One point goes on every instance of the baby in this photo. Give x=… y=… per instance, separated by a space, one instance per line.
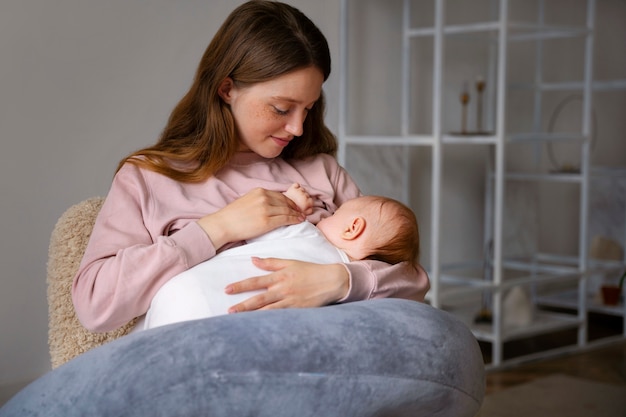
x=367 y=227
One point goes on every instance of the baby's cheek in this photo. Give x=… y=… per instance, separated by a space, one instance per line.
x=318 y=216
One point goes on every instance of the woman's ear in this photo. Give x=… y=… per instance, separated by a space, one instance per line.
x=225 y=89
x=355 y=228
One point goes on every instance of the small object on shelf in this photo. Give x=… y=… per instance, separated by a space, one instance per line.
x=611 y=293
x=464 y=102
x=605 y=248
x=483 y=317
x=480 y=87
x=465 y=99
x=517 y=308
x=568 y=167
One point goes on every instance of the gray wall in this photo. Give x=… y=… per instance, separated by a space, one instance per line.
x=539 y=216
x=84 y=82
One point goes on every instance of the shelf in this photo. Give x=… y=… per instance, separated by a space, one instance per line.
x=536 y=32
x=575 y=177
x=454 y=29
x=550 y=266
x=569 y=299
x=461 y=288
x=462 y=139
x=608 y=172
x=518 y=31
x=597 y=86
x=545 y=137
x=415 y=140
x=558 y=266
x=543 y=322
x=553 y=177
x=469 y=139
x=419 y=140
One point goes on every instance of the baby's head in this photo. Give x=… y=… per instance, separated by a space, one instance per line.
x=373 y=227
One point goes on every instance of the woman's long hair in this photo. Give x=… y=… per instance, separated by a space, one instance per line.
x=259 y=41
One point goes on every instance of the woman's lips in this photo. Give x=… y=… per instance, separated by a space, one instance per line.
x=280 y=141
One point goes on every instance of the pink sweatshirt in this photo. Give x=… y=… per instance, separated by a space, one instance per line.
x=146 y=233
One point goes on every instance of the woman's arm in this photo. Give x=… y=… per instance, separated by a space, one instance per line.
x=125 y=262
x=375 y=279
x=132 y=252
x=303 y=284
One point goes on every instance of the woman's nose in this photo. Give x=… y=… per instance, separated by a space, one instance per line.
x=295 y=125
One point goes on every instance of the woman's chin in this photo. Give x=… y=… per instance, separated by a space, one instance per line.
x=270 y=153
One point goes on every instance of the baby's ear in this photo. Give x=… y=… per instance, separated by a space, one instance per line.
x=355 y=228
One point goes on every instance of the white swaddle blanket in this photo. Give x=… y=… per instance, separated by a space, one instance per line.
x=199 y=291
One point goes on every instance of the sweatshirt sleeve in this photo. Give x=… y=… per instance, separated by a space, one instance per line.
x=375 y=279
x=125 y=263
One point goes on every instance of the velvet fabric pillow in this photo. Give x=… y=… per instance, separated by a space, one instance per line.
x=384 y=357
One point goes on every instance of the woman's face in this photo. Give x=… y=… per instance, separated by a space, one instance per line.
x=270 y=114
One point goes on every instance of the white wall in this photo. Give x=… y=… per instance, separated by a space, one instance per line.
x=83 y=83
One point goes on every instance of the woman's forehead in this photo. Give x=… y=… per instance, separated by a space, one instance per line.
x=303 y=86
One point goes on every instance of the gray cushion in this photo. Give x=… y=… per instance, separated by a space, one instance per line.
x=370 y=358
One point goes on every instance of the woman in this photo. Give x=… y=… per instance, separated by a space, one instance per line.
x=250 y=126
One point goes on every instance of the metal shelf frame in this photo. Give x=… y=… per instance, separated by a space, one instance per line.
x=500 y=32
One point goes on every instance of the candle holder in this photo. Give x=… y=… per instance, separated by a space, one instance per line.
x=480 y=88
x=464 y=103
x=464 y=98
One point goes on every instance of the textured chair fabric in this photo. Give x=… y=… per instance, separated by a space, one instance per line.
x=66 y=336
x=371 y=358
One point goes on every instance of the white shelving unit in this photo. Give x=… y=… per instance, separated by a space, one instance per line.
x=446 y=282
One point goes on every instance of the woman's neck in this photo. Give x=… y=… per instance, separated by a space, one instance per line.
x=247 y=158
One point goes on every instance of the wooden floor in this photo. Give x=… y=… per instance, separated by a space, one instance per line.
x=605 y=363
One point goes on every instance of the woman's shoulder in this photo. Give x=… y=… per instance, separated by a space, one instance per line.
x=132 y=172
x=137 y=167
x=144 y=177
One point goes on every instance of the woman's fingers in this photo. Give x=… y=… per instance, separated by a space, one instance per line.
x=270 y=264
x=257 y=302
x=251 y=215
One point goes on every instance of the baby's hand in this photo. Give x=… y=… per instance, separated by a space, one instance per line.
x=298 y=195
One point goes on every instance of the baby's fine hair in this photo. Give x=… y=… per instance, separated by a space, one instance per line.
x=400 y=234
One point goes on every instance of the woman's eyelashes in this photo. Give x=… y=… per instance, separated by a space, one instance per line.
x=282 y=112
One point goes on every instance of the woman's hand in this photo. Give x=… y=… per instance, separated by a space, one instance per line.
x=251 y=215
x=292 y=284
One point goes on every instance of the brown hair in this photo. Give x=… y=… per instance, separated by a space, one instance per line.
x=399 y=237
x=260 y=40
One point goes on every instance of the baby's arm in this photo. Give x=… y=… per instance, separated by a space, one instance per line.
x=298 y=195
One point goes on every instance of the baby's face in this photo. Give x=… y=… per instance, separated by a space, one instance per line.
x=334 y=225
